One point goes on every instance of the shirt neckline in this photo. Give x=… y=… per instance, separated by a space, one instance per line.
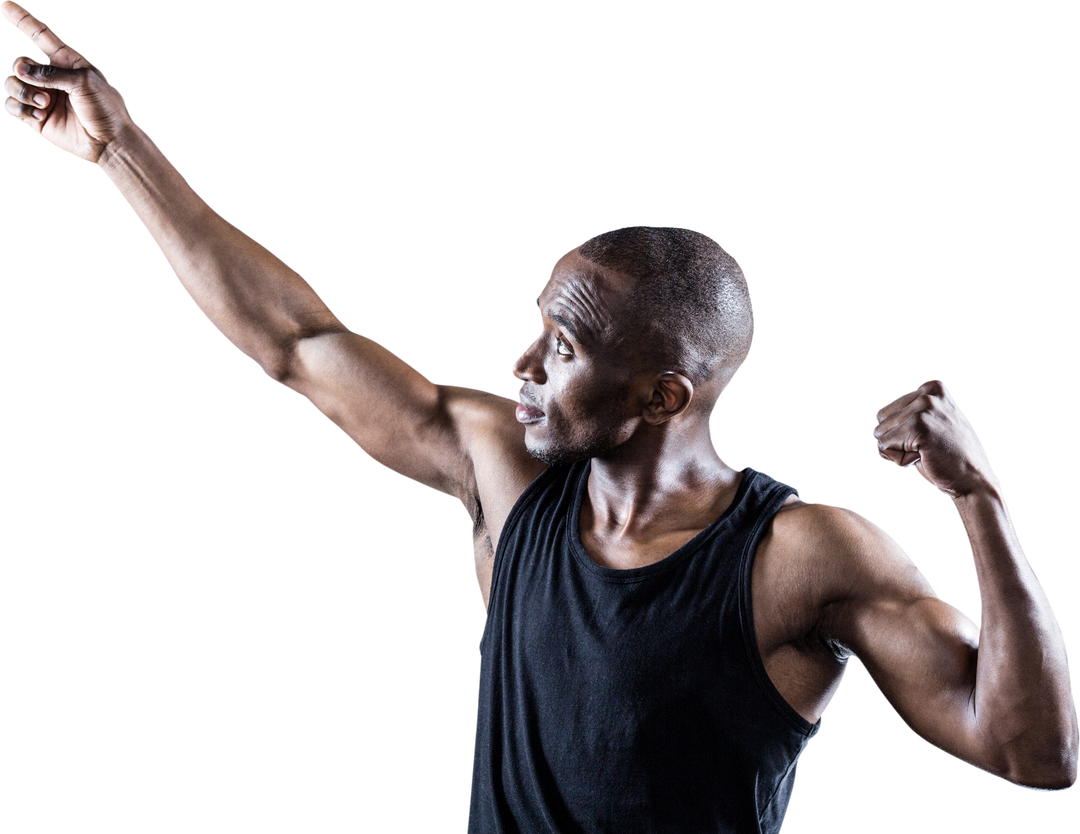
x=663 y=565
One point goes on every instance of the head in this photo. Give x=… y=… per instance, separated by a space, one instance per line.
x=642 y=326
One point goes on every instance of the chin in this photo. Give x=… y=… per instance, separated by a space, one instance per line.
x=563 y=454
x=553 y=454
x=554 y=457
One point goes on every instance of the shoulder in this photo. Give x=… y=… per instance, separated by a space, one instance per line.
x=498 y=466
x=833 y=540
x=823 y=564
x=815 y=536
x=492 y=439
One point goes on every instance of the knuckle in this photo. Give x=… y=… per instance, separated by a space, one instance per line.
x=23 y=111
x=934 y=388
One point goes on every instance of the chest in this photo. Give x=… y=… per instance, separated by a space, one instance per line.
x=783 y=611
x=626 y=553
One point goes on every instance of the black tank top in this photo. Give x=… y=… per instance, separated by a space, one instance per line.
x=628 y=701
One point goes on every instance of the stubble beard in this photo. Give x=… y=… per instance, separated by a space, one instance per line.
x=562 y=452
x=555 y=455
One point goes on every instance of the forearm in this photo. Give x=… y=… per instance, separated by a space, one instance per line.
x=260 y=304
x=1022 y=698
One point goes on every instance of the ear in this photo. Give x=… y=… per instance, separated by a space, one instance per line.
x=671 y=396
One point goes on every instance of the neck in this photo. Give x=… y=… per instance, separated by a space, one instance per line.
x=670 y=477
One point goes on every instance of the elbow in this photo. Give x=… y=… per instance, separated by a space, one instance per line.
x=1064 y=775
x=279 y=363
x=278 y=368
x=289 y=358
x=1035 y=742
x=1053 y=770
x=1047 y=780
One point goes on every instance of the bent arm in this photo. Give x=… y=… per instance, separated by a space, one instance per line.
x=1006 y=702
x=996 y=696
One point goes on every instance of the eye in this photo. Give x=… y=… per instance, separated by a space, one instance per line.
x=561 y=347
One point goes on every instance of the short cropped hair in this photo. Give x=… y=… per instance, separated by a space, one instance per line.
x=690 y=308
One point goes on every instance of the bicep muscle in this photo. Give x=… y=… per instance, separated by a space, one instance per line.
x=392 y=411
x=921 y=652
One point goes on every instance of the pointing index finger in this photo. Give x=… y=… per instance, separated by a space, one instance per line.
x=43 y=37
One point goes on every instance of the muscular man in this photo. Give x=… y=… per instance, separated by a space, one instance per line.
x=664 y=632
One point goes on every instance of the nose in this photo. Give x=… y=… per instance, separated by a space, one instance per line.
x=530 y=366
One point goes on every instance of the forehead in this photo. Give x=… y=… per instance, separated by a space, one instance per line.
x=586 y=299
x=587 y=294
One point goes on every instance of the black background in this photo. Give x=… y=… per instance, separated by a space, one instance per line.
x=225 y=611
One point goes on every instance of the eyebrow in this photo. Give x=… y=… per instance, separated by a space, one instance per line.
x=555 y=317
x=578 y=336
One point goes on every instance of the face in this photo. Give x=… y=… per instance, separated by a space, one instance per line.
x=577 y=397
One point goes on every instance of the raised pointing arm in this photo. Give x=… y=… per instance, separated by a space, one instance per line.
x=227 y=273
x=451 y=439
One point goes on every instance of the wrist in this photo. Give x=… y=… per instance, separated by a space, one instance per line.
x=123 y=144
x=983 y=488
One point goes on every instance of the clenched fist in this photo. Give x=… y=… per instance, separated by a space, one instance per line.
x=927 y=428
x=67 y=100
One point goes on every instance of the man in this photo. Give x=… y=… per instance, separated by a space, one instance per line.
x=624 y=376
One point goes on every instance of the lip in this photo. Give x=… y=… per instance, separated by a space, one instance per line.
x=527 y=411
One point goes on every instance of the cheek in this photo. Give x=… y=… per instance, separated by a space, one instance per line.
x=562 y=404
x=583 y=401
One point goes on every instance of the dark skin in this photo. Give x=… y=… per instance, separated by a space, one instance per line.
x=826 y=583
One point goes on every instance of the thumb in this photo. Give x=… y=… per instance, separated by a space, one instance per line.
x=50 y=77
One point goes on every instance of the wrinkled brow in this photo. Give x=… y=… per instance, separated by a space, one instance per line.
x=564 y=321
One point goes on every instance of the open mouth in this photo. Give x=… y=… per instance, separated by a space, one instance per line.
x=527 y=411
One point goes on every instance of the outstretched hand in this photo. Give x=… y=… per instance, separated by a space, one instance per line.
x=926 y=428
x=67 y=100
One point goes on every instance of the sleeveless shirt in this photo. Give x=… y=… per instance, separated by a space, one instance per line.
x=628 y=701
